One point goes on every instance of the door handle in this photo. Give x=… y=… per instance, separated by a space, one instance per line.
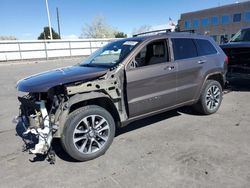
x=202 y=61
x=169 y=68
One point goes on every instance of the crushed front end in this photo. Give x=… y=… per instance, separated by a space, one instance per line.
x=37 y=116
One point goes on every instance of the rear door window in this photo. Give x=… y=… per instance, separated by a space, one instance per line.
x=205 y=47
x=184 y=48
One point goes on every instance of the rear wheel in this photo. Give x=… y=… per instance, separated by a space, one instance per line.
x=210 y=99
x=88 y=133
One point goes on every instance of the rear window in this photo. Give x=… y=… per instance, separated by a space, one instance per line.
x=205 y=47
x=184 y=48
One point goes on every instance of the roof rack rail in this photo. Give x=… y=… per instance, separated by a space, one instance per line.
x=154 y=31
x=187 y=31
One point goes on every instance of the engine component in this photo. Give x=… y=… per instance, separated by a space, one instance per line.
x=43 y=132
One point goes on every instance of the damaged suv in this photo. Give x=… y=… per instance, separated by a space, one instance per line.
x=238 y=52
x=125 y=80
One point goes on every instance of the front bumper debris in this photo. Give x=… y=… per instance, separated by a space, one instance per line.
x=43 y=132
x=36 y=122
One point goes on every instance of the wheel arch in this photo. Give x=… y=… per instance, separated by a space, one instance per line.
x=202 y=106
x=93 y=98
x=218 y=76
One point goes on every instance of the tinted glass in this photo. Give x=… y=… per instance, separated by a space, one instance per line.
x=205 y=47
x=237 y=17
x=225 y=19
x=204 y=22
x=196 y=24
x=187 y=24
x=184 y=48
x=241 y=36
x=247 y=16
x=214 y=20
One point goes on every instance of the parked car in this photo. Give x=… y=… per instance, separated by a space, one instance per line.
x=124 y=81
x=238 y=52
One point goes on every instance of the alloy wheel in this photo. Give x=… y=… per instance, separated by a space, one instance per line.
x=91 y=134
x=213 y=97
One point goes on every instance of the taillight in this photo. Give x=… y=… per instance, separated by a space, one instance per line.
x=226 y=60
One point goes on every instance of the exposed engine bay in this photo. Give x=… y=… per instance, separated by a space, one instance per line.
x=42 y=114
x=38 y=121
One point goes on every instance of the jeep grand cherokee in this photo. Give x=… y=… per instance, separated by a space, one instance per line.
x=125 y=80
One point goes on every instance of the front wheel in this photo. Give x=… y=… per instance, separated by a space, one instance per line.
x=210 y=99
x=88 y=133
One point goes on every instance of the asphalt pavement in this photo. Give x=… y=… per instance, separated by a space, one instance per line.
x=174 y=149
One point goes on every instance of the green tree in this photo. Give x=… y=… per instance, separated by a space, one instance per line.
x=46 y=34
x=119 y=34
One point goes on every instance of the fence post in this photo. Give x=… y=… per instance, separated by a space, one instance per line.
x=70 y=52
x=45 y=48
x=90 y=46
x=19 y=48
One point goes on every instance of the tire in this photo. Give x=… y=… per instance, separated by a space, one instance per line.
x=210 y=98
x=88 y=133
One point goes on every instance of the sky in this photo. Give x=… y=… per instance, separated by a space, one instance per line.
x=25 y=19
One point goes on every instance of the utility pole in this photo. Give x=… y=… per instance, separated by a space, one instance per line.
x=58 y=22
x=50 y=30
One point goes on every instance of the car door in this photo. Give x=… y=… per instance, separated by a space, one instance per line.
x=151 y=86
x=190 y=65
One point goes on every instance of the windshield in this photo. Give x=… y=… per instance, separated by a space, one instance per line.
x=241 y=36
x=111 y=54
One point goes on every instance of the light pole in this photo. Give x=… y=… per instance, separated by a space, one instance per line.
x=50 y=30
x=58 y=22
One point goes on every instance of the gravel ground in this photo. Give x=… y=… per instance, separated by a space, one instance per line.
x=173 y=149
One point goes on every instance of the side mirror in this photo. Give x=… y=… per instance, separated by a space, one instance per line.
x=115 y=48
x=132 y=64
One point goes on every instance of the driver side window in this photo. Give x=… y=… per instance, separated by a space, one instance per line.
x=153 y=53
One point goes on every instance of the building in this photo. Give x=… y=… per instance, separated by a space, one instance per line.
x=221 y=22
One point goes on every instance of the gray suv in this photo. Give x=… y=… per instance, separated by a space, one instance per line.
x=124 y=81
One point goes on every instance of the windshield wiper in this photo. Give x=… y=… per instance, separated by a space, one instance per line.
x=87 y=65
x=236 y=40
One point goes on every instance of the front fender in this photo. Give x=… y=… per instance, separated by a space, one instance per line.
x=77 y=98
x=84 y=97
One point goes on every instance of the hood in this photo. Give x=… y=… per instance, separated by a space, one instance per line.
x=42 y=82
x=236 y=45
